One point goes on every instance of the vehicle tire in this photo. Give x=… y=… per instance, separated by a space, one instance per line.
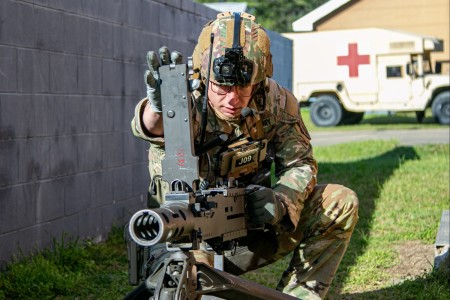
x=326 y=111
x=441 y=108
x=351 y=118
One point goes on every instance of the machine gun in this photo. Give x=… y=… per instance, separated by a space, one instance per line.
x=195 y=221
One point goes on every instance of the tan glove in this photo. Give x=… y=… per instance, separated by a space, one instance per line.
x=151 y=76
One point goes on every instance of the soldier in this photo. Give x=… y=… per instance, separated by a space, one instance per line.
x=313 y=221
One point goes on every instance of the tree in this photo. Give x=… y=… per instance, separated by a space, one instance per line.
x=277 y=15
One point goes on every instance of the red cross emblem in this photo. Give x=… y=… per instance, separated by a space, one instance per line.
x=353 y=60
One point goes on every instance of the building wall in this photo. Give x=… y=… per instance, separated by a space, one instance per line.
x=417 y=16
x=71 y=73
x=282 y=58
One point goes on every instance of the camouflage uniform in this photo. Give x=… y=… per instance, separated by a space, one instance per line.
x=320 y=218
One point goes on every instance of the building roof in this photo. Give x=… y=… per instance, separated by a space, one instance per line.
x=228 y=6
x=306 y=23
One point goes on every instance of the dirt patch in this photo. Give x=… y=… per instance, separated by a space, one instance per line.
x=415 y=259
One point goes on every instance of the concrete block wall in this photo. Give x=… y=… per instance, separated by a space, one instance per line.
x=71 y=73
x=282 y=55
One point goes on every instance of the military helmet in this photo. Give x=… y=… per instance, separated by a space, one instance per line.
x=240 y=51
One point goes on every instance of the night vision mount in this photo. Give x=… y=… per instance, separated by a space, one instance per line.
x=233 y=68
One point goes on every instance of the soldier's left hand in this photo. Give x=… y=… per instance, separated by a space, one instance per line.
x=263 y=205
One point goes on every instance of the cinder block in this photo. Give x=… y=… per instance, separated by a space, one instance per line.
x=133 y=13
x=17 y=23
x=123 y=183
x=133 y=150
x=41 y=71
x=15 y=109
x=188 y=6
x=119 y=42
x=89 y=152
x=63 y=73
x=113 y=78
x=8 y=246
x=195 y=27
x=49 y=115
x=124 y=116
x=129 y=207
x=8 y=208
x=46 y=21
x=39 y=2
x=150 y=42
x=66 y=228
x=90 y=224
x=89 y=75
x=8 y=68
x=174 y=3
x=102 y=116
x=77 y=114
x=100 y=39
x=41 y=238
x=112 y=145
x=61 y=5
x=134 y=80
x=67 y=5
x=167 y=17
x=149 y=12
x=109 y=218
x=112 y=10
x=89 y=7
x=26 y=205
x=34 y=159
x=75 y=30
x=102 y=188
x=9 y=163
x=49 y=200
x=17 y=207
x=77 y=194
x=130 y=36
x=63 y=156
x=25 y=66
x=141 y=179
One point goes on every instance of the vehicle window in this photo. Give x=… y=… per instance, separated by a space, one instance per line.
x=393 y=71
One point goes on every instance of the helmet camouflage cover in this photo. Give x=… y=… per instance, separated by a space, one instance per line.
x=253 y=39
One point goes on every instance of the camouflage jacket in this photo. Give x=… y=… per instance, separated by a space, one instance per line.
x=284 y=130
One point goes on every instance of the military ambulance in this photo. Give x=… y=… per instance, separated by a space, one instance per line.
x=342 y=74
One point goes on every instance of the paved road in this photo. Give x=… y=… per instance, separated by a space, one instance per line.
x=405 y=136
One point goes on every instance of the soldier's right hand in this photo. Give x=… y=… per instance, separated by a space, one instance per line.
x=151 y=76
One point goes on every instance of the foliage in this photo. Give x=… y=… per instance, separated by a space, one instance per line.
x=69 y=270
x=277 y=15
x=402 y=192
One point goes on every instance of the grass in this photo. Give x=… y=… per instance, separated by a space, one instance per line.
x=402 y=192
x=378 y=121
x=69 y=270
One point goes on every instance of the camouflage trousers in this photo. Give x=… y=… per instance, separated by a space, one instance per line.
x=318 y=243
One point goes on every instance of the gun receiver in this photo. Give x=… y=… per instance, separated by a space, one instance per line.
x=208 y=214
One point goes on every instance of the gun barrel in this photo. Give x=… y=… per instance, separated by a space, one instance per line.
x=170 y=222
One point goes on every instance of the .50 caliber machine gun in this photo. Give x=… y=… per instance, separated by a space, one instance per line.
x=197 y=223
